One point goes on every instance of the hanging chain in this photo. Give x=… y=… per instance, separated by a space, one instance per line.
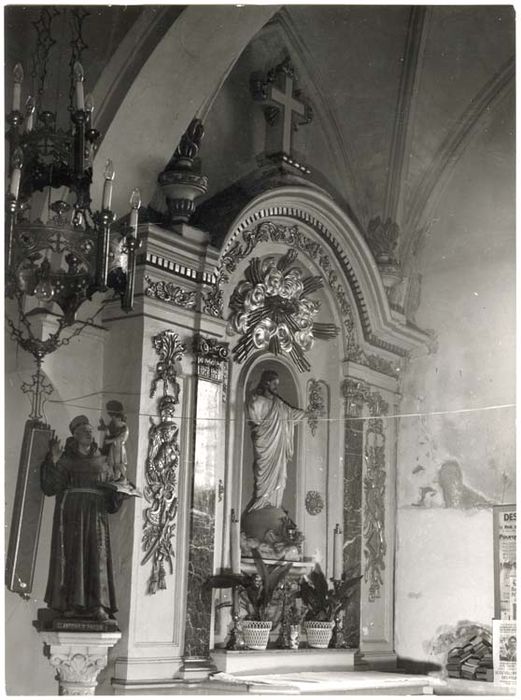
x=44 y=43
x=40 y=348
x=78 y=45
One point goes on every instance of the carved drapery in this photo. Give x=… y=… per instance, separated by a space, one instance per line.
x=162 y=466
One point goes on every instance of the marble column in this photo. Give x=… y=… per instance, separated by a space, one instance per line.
x=210 y=358
x=78 y=658
x=353 y=473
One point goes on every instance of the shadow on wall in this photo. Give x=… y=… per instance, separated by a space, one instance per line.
x=454 y=492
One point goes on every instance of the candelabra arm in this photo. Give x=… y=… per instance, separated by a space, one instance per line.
x=132 y=245
x=79 y=142
x=11 y=208
x=104 y=220
x=14 y=119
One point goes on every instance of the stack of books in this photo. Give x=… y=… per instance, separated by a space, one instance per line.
x=473 y=660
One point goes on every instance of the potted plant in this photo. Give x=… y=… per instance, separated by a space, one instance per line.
x=323 y=604
x=256 y=597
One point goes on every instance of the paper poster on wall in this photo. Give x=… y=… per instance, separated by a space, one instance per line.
x=505 y=562
x=504 y=652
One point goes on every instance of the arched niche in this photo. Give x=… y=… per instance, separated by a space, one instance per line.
x=315 y=449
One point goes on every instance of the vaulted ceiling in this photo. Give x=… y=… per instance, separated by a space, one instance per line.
x=396 y=91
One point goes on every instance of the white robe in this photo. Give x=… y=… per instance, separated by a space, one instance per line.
x=272 y=425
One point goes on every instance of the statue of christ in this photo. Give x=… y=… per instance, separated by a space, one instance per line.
x=272 y=423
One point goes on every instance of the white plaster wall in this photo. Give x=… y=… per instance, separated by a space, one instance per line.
x=448 y=577
x=463 y=394
x=178 y=79
x=75 y=372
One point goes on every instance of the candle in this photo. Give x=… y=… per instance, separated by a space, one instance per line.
x=78 y=83
x=16 y=173
x=107 y=186
x=18 y=77
x=235 y=545
x=29 y=114
x=135 y=203
x=89 y=108
x=338 y=550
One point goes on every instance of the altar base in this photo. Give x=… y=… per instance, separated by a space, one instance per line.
x=285 y=660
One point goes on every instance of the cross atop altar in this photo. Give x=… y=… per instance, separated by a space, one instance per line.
x=284 y=109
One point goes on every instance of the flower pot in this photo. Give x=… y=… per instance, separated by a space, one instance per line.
x=319 y=633
x=256 y=633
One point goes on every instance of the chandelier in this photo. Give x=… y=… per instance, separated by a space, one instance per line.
x=59 y=251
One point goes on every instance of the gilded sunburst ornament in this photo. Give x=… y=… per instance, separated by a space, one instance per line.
x=272 y=311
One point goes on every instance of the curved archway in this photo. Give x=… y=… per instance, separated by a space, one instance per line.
x=341 y=251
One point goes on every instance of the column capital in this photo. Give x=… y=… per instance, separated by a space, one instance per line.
x=210 y=356
x=78 y=657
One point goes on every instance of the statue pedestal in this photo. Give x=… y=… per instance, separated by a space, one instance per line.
x=78 y=657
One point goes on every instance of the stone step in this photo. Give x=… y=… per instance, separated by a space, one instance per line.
x=284 y=660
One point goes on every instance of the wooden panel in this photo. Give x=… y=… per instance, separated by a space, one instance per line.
x=27 y=509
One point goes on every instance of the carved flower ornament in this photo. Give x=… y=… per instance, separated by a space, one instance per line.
x=271 y=310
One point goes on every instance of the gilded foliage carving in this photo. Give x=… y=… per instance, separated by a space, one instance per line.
x=358 y=395
x=210 y=356
x=375 y=546
x=317 y=407
x=293 y=237
x=171 y=293
x=272 y=310
x=170 y=350
x=162 y=466
x=209 y=301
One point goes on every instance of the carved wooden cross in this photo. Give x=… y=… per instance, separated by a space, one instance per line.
x=289 y=106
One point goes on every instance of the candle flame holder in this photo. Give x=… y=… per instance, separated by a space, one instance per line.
x=59 y=253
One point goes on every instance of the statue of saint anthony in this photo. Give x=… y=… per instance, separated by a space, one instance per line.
x=81 y=581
